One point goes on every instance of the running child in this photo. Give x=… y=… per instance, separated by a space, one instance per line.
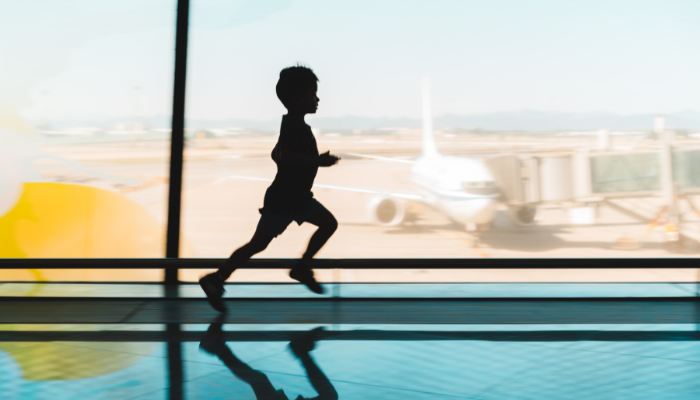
x=289 y=197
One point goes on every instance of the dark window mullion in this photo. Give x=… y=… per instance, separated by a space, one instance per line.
x=177 y=139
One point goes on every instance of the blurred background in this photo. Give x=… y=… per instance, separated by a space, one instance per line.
x=468 y=129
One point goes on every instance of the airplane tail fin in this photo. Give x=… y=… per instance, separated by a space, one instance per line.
x=429 y=147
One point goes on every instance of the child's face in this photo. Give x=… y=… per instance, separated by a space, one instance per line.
x=306 y=103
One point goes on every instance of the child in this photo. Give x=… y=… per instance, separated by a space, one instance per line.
x=289 y=197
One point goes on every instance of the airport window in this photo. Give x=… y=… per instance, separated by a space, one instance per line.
x=466 y=129
x=559 y=140
x=521 y=147
x=84 y=132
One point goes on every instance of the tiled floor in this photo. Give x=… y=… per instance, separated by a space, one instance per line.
x=369 y=360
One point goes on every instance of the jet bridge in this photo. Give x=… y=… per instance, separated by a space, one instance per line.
x=590 y=177
x=585 y=176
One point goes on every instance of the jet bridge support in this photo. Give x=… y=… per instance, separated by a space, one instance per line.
x=672 y=228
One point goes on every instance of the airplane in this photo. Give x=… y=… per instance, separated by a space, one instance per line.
x=462 y=188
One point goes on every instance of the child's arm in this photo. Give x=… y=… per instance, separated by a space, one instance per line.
x=324 y=160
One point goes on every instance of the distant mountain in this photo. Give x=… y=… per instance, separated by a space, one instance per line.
x=528 y=120
x=524 y=120
x=157 y=121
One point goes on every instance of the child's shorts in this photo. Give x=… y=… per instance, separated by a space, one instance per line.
x=274 y=224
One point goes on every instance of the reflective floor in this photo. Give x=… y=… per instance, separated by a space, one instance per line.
x=82 y=358
x=357 y=290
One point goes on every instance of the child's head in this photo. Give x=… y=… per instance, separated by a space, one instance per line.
x=296 y=89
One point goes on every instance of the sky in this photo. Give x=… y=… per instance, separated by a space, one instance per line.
x=107 y=59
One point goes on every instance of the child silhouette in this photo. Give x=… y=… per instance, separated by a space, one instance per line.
x=289 y=197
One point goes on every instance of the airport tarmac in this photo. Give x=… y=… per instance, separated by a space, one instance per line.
x=221 y=214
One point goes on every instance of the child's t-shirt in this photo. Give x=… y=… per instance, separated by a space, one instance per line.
x=290 y=192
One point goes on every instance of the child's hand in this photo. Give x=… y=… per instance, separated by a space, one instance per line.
x=326 y=159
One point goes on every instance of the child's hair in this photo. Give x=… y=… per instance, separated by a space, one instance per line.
x=294 y=80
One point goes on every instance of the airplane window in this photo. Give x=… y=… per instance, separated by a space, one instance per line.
x=84 y=133
x=529 y=109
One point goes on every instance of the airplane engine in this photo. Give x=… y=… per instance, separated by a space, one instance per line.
x=387 y=211
x=525 y=215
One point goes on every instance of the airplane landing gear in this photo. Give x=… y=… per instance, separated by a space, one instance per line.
x=473 y=237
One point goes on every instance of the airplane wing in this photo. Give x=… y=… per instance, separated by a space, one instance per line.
x=400 y=195
x=381 y=158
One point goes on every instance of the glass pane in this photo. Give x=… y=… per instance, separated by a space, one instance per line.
x=625 y=173
x=552 y=88
x=84 y=132
x=686 y=165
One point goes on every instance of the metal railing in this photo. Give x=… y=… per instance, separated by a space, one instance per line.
x=356 y=263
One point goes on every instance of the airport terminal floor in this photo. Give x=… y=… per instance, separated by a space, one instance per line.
x=359 y=341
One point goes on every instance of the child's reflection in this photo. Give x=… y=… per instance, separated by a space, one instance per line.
x=213 y=343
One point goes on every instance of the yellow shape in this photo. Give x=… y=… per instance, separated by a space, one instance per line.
x=59 y=220
x=63 y=220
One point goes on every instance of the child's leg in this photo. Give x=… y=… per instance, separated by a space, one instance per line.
x=213 y=284
x=327 y=225
x=257 y=244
